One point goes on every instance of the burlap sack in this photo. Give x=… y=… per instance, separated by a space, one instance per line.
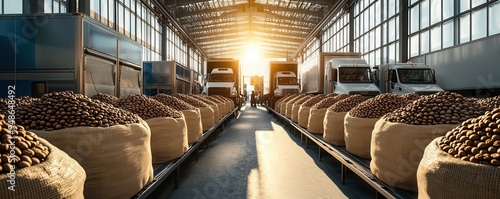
x=117 y=159
x=441 y=176
x=217 y=115
x=194 y=125
x=288 y=111
x=333 y=128
x=207 y=117
x=304 y=116
x=315 y=123
x=277 y=107
x=358 y=135
x=169 y=139
x=222 y=109
x=59 y=176
x=397 y=148
x=295 y=112
x=283 y=108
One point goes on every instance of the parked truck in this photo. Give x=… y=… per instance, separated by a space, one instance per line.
x=280 y=79
x=401 y=78
x=223 y=78
x=167 y=77
x=337 y=72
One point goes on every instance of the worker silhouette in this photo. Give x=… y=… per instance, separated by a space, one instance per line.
x=252 y=100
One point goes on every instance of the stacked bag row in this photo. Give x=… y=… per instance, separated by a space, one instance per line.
x=393 y=132
x=89 y=144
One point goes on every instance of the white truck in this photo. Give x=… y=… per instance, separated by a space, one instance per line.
x=280 y=79
x=223 y=79
x=286 y=83
x=348 y=73
x=401 y=78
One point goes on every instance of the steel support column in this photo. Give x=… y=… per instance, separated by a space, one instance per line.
x=403 y=31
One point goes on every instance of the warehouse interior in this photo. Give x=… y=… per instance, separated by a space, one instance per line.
x=151 y=47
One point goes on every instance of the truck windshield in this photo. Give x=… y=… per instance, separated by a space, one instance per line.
x=221 y=78
x=416 y=76
x=287 y=81
x=355 y=75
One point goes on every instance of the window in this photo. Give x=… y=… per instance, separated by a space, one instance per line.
x=464 y=5
x=448 y=35
x=414 y=42
x=494 y=18
x=478 y=25
x=435 y=11
x=477 y=2
x=424 y=14
x=436 y=38
x=448 y=6
x=414 y=19
x=464 y=28
x=47 y=6
x=13 y=7
x=424 y=42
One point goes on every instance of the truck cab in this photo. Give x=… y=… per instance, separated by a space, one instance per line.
x=401 y=78
x=221 y=81
x=286 y=83
x=349 y=76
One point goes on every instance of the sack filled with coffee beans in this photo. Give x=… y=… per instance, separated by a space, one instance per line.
x=211 y=100
x=289 y=105
x=191 y=114
x=465 y=163
x=226 y=101
x=333 y=123
x=359 y=122
x=213 y=105
x=169 y=139
x=399 y=138
x=296 y=107
x=207 y=113
x=106 y=98
x=277 y=104
x=305 y=108
x=37 y=169
x=103 y=139
x=285 y=102
x=318 y=111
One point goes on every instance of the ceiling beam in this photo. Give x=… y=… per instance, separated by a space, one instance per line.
x=256 y=26
x=254 y=8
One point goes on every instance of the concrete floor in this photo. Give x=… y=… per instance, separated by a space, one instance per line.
x=254 y=157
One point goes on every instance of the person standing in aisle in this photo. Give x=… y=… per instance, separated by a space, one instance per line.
x=252 y=99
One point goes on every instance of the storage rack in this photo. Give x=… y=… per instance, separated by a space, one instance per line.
x=169 y=173
x=359 y=166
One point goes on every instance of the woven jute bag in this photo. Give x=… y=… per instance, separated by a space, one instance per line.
x=207 y=117
x=117 y=159
x=169 y=139
x=397 y=148
x=59 y=176
x=316 y=118
x=304 y=116
x=441 y=176
x=333 y=128
x=194 y=124
x=358 y=135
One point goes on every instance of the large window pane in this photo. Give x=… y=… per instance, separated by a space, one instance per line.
x=56 y=6
x=47 y=6
x=392 y=53
x=494 y=18
x=372 y=17
x=436 y=38
x=377 y=37
x=377 y=15
x=435 y=11
x=448 y=34
x=448 y=6
x=478 y=24
x=477 y=2
x=414 y=19
x=13 y=7
x=392 y=8
x=111 y=16
x=464 y=5
x=392 y=30
x=424 y=14
x=94 y=8
x=424 y=42
x=104 y=12
x=464 y=28
x=414 y=42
